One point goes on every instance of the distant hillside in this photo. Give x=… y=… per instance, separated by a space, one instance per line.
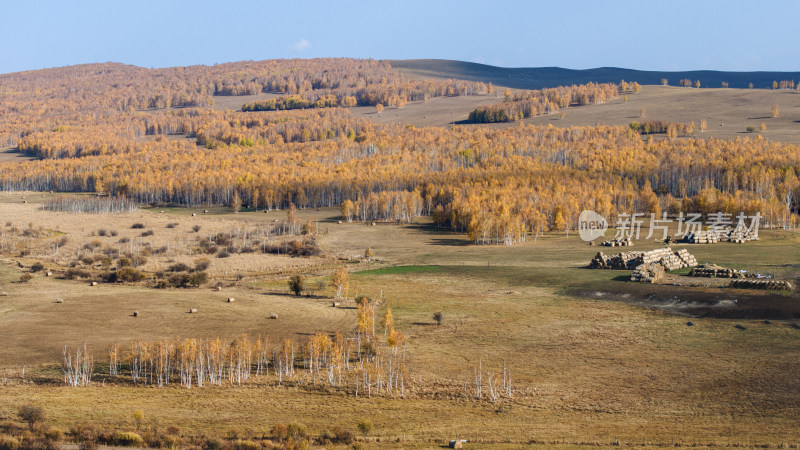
x=541 y=77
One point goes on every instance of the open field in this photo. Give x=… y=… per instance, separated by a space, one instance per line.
x=587 y=368
x=11 y=155
x=728 y=112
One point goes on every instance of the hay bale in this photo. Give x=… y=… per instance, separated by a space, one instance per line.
x=136 y=314
x=193 y=311
x=93 y=283
x=273 y=316
x=205 y=210
x=231 y=299
x=456 y=443
x=218 y=288
x=3 y=294
x=49 y=274
x=339 y=222
x=59 y=300
x=194 y=214
x=335 y=304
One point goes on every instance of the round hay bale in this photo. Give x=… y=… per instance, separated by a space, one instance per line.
x=136 y=314
x=193 y=311
x=49 y=274
x=162 y=211
x=219 y=288
x=340 y=222
x=273 y=316
x=93 y=283
x=3 y=294
x=59 y=300
x=24 y=201
x=335 y=304
x=231 y=299
x=193 y=214
x=205 y=210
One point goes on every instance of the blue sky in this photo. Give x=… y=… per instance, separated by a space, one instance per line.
x=665 y=35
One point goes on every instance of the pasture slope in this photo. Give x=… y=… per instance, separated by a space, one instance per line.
x=590 y=365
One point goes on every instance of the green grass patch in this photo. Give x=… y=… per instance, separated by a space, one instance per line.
x=399 y=270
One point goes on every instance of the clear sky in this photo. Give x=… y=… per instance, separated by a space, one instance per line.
x=664 y=35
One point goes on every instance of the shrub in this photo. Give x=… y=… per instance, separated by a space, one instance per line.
x=73 y=273
x=198 y=278
x=340 y=435
x=364 y=426
x=127 y=439
x=201 y=264
x=751 y=129
x=438 y=316
x=137 y=226
x=213 y=444
x=37 y=267
x=148 y=233
x=129 y=274
x=124 y=240
x=178 y=267
x=124 y=262
x=179 y=280
x=246 y=445
x=196 y=228
x=25 y=277
x=102 y=232
x=297 y=284
x=114 y=233
x=31 y=414
x=293 y=431
x=8 y=442
x=223 y=254
x=172 y=225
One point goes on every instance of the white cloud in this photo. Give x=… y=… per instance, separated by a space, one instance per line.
x=301 y=45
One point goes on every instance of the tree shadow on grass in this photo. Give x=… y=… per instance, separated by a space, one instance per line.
x=457 y=242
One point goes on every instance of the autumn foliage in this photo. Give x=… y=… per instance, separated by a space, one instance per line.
x=496 y=185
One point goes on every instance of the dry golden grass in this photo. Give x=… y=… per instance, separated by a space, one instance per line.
x=585 y=370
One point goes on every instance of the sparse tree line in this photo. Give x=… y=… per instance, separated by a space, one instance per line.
x=364 y=363
x=525 y=104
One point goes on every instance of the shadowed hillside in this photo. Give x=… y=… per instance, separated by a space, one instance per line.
x=542 y=77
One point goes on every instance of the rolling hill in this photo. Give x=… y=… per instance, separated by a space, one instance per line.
x=542 y=77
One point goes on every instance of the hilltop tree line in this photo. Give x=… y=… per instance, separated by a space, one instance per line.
x=44 y=100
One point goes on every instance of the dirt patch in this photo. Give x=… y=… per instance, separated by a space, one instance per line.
x=693 y=299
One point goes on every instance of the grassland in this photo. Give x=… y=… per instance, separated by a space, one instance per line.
x=590 y=365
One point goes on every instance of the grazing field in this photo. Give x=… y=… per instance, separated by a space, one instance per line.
x=728 y=112
x=589 y=365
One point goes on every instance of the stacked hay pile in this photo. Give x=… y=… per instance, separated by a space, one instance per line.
x=621 y=261
x=714 y=271
x=688 y=259
x=771 y=285
x=628 y=260
x=737 y=235
x=648 y=273
x=618 y=243
x=702 y=237
x=740 y=236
